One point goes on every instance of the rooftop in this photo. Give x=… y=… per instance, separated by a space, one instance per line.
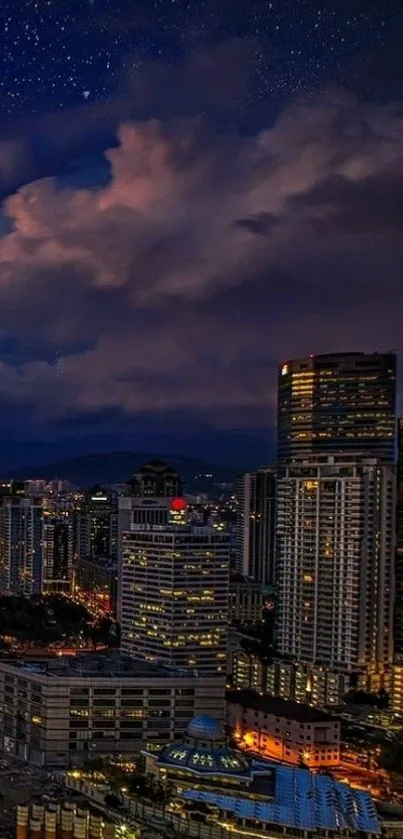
x=97 y=666
x=304 y=801
x=286 y=708
x=204 y=752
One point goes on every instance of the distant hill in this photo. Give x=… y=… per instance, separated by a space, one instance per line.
x=240 y=449
x=117 y=467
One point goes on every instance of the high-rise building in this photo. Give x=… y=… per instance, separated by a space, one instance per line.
x=175 y=596
x=335 y=564
x=255 y=526
x=154 y=496
x=399 y=547
x=338 y=402
x=156 y=479
x=96 y=525
x=21 y=546
x=57 y=554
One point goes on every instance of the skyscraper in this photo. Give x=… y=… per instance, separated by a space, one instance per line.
x=95 y=525
x=21 y=546
x=153 y=497
x=399 y=548
x=57 y=554
x=175 y=596
x=335 y=563
x=173 y=586
x=255 y=525
x=338 y=402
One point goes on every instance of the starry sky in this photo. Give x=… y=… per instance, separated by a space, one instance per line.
x=192 y=191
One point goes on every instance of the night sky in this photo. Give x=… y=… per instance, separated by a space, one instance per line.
x=191 y=193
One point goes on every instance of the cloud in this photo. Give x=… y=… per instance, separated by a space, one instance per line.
x=205 y=260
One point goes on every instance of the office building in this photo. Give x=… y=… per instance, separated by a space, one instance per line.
x=95 y=525
x=335 y=565
x=282 y=729
x=338 y=402
x=255 y=525
x=174 y=606
x=57 y=554
x=153 y=496
x=60 y=712
x=21 y=545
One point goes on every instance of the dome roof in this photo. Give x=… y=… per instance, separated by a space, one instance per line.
x=204 y=751
x=204 y=727
x=204 y=760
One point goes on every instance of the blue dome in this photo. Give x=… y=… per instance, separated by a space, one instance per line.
x=204 y=727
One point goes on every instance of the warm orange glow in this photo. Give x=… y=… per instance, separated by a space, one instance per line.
x=268 y=746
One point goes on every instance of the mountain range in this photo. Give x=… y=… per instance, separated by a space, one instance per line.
x=238 y=449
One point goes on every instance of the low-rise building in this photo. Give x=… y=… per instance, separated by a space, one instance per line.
x=59 y=820
x=239 y=794
x=309 y=683
x=284 y=730
x=62 y=711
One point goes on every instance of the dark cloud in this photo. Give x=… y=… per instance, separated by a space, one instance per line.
x=260 y=224
x=203 y=261
x=371 y=205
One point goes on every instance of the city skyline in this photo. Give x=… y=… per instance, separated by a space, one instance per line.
x=190 y=197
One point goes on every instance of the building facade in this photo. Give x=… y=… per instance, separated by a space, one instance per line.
x=304 y=682
x=153 y=496
x=56 y=819
x=21 y=546
x=255 y=525
x=246 y=601
x=335 y=564
x=57 y=554
x=96 y=525
x=399 y=548
x=67 y=709
x=339 y=402
x=283 y=729
x=174 y=596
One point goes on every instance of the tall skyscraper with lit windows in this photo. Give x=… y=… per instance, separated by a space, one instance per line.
x=21 y=546
x=174 y=579
x=255 y=525
x=335 y=564
x=337 y=402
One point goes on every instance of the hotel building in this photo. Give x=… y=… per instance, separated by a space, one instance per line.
x=335 y=566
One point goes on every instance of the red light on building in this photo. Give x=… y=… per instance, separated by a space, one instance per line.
x=178 y=505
